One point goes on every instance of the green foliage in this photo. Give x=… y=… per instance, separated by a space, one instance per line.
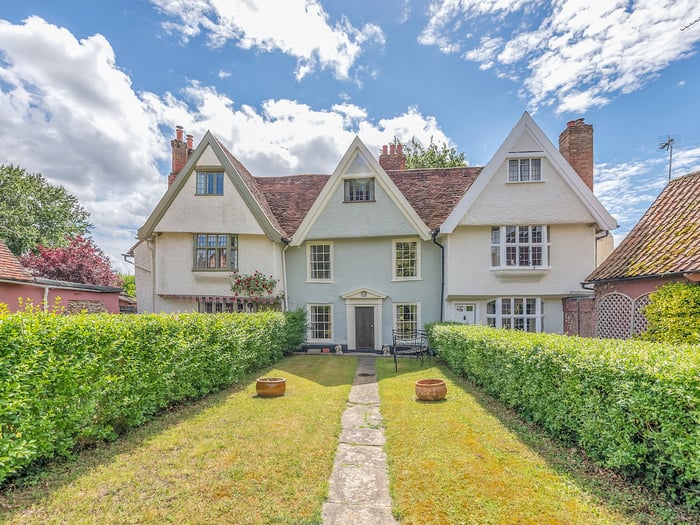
x=631 y=405
x=34 y=212
x=434 y=156
x=296 y=330
x=256 y=287
x=674 y=314
x=68 y=381
x=128 y=284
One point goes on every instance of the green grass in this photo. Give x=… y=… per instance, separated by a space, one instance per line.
x=467 y=460
x=232 y=458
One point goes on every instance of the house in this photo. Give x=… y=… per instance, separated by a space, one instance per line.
x=373 y=246
x=663 y=247
x=19 y=287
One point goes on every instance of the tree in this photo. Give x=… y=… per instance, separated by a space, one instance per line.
x=79 y=262
x=34 y=212
x=128 y=284
x=434 y=156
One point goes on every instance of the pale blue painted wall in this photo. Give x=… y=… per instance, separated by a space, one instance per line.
x=366 y=263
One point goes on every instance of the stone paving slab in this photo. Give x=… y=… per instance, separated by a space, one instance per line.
x=358 y=491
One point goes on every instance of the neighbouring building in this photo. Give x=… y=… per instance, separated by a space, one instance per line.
x=18 y=287
x=663 y=247
x=374 y=246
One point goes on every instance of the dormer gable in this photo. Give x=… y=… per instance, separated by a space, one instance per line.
x=208 y=169
x=360 y=199
x=527 y=165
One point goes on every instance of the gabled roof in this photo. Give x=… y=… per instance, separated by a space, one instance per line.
x=434 y=192
x=526 y=124
x=666 y=240
x=10 y=267
x=358 y=150
x=241 y=178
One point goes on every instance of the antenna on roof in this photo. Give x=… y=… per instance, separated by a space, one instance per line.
x=667 y=144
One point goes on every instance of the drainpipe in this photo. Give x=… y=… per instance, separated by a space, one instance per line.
x=435 y=233
x=284 y=273
x=46 y=299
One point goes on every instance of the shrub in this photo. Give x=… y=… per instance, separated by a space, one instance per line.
x=68 y=381
x=631 y=405
x=673 y=314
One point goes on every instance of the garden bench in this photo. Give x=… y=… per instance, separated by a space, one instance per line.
x=410 y=343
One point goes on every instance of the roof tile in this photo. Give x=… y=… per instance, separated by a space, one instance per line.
x=10 y=267
x=666 y=239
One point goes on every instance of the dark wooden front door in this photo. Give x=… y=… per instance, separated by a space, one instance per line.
x=364 y=327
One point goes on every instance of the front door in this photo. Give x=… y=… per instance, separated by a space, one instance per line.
x=465 y=313
x=364 y=327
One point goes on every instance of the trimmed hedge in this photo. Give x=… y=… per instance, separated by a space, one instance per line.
x=630 y=405
x=69 y=381
x=673 y=314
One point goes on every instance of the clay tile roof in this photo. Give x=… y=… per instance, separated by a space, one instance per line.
x=434 y=192
x=252 y=184
x=10 y=267
x=291 y=197
x=666 y=240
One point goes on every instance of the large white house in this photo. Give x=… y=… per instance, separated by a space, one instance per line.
x=374 y=246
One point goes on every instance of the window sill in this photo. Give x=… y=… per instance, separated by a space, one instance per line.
x=515 y=272
x=405 y=279
x=320 y=281
x=524 y=181
x=212 y=270
x=357 y=202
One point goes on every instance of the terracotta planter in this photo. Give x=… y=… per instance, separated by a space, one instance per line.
x=431 y=389
x=270 y=386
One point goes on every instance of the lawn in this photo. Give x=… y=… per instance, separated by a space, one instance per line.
x=232 y=458
x=237 y=458
x=467 y=460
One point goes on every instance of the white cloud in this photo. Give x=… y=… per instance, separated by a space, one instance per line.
x=104 y=142
x=572 y=54
x=299 y=28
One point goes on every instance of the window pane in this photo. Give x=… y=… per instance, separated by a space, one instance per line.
x=201 y=183
x=523 y=256
x=201 y=240
x=496 y=235
x=510 y=234
x=524 y=234
x=491 y=307
x=211 y=240
x=524 y=170
x=505 y=306
x=510 y=256
x=531 y=307
x=513 y=171
x=517 y=306
x=495 y=256
x=536 y=256
x=201 y=257
x=536 y=169
x=536 y=234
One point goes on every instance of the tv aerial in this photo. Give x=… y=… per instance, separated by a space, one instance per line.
x=667 y=144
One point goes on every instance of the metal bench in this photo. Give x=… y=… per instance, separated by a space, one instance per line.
x=410 y=343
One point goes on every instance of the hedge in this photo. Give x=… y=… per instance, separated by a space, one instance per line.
x=70 y=381
x=630 y=405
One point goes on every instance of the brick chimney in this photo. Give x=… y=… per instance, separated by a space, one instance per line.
x=576 y=145
x=394 y=159
x=181 y=152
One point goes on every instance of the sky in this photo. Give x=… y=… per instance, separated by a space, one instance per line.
x=91 y=92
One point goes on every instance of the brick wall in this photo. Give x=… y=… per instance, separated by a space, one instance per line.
x=91 y=307
x=576 y=146
x=579 y=316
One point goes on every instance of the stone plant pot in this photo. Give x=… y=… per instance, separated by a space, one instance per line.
x=431 y=389
x=270 y=386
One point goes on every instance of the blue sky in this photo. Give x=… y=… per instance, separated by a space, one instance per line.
x=90 y=92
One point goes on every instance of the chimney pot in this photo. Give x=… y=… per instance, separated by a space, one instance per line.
x=178 y=133
x=392 y=149
x=189 y=141
x=399 y=148
x=385 y=148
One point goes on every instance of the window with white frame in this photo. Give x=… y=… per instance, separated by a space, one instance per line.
x=210 y=183
x=519 y=246
x=215 y=251
x=517 y=313
x=320 y=322
x=320 y=261
x=406 y=317
x=406 y=259
x=359 y=190
x=524 y=170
